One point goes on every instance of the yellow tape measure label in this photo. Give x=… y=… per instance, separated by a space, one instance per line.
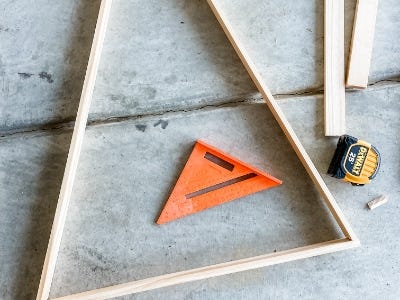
x=355 y=159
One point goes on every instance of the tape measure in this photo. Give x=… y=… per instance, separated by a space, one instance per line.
x=355 y=161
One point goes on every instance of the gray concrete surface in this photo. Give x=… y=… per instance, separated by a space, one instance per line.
x=179 y=68
x=110 y=236
x=165 y=55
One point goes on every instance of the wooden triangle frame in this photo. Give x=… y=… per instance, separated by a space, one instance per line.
x=349 y=241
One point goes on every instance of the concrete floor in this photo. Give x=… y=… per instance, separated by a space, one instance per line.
x=178 y=67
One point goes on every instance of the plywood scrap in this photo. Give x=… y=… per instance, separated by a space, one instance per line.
x=362 y=43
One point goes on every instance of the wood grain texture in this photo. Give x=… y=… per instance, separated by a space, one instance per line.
x=334 y=68
x=74 y=153
x=362 y=43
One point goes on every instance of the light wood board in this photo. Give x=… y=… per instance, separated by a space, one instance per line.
x=362 y=43
x=334 y=96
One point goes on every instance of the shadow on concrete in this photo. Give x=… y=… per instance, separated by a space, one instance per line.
x=349 y=11
x=45 y=199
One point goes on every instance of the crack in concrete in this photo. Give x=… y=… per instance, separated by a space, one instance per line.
x=67 y=124
x=61 y=126
x=382 y=83
x=165 y=113
x=301 y=93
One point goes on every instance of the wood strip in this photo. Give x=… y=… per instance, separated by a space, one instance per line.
x=283 y=122
x=74 y=153
x=334 y=68
x=213 y=271
x=362 y=43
